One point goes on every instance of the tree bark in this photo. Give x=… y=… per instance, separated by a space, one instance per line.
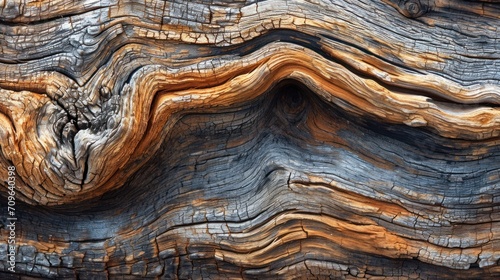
x=281 y=139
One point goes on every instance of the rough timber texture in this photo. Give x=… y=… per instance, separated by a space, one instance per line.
x=299 y=139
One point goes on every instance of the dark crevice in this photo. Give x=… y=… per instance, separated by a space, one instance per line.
x=31 y=59
x=439 y=99
x=364 y=50
x=85 y=170
x=314 y=43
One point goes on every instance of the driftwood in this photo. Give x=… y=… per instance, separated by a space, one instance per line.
x=250 y=139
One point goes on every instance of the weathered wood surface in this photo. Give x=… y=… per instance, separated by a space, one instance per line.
x=252 y=139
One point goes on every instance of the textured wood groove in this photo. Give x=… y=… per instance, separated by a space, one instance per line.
x=251 y=139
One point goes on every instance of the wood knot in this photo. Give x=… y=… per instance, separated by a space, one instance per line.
x=413 y=8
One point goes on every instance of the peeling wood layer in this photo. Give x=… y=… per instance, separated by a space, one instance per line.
x=252 y=139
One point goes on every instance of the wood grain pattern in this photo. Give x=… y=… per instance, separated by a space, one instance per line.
x=279 y=139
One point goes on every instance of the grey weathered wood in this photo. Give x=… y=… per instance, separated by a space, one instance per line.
x=244 y=139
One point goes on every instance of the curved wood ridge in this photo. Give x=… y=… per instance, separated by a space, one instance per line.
x=251 y=139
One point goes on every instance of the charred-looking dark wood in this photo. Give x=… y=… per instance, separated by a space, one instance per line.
x=250 y=139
